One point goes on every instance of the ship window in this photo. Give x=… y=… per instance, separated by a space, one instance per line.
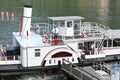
x=69 y=24
x=109 y=43
x=105 y=43
x=37 y=49
x=80 y=45
x=62 y=24
x=116 y=42
x=61 y=54
x=37 y=54
x=97 y=44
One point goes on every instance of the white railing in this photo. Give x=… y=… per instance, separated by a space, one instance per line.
x=101 y=66
x=95 y=28
x=10 y=60
x=43 y=27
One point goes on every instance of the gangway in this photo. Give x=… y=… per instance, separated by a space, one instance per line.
x=77 y=72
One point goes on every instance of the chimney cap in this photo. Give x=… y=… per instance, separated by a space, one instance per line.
x=29 y=6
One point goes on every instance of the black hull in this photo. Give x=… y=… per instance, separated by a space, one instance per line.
x=18 y=69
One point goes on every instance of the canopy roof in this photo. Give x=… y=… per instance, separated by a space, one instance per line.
x=66 y=18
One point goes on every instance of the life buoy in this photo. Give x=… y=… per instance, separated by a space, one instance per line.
x=45 y=38
x=84 y=34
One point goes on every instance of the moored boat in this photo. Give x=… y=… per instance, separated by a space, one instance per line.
x=43 y=45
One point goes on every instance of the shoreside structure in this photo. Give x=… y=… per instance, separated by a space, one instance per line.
x=43 y=45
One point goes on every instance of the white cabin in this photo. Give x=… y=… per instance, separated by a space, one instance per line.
x=66 y=24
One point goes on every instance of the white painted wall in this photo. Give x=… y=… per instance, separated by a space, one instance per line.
x=29 y=59
x=50 y=51
x=32 y=60
x=62 y=31
x=73 y=45
x=23 y=56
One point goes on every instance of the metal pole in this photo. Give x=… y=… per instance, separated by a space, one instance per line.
x=80 y=26
x=81 y=75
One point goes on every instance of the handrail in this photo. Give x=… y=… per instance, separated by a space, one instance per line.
x=45 y=27
x=101 y=44
x=105 y=68
x=6 y=58
x=92 y=25
x=101 y=67
x=74 y=65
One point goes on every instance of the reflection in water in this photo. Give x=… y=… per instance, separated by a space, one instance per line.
x=103 y=11
x=30 y=77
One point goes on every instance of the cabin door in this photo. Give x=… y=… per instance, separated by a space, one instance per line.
x=69 y=28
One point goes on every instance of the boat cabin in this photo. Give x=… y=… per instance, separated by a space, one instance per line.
x=67 y=25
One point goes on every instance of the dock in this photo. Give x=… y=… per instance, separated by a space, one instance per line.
x=98 y=71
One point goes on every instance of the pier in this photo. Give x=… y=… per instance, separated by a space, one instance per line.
x=98 y=71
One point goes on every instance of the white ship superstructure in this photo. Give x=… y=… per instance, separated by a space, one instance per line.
x=38 y=47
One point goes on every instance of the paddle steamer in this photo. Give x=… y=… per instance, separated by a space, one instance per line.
x=35 y=46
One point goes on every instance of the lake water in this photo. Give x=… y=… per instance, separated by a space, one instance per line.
x=106 y=12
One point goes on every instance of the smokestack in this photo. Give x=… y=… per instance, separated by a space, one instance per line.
x=26 y=24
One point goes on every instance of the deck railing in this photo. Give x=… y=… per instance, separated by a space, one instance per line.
x=95 y=29
x=101 y=66
x=15 y=59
